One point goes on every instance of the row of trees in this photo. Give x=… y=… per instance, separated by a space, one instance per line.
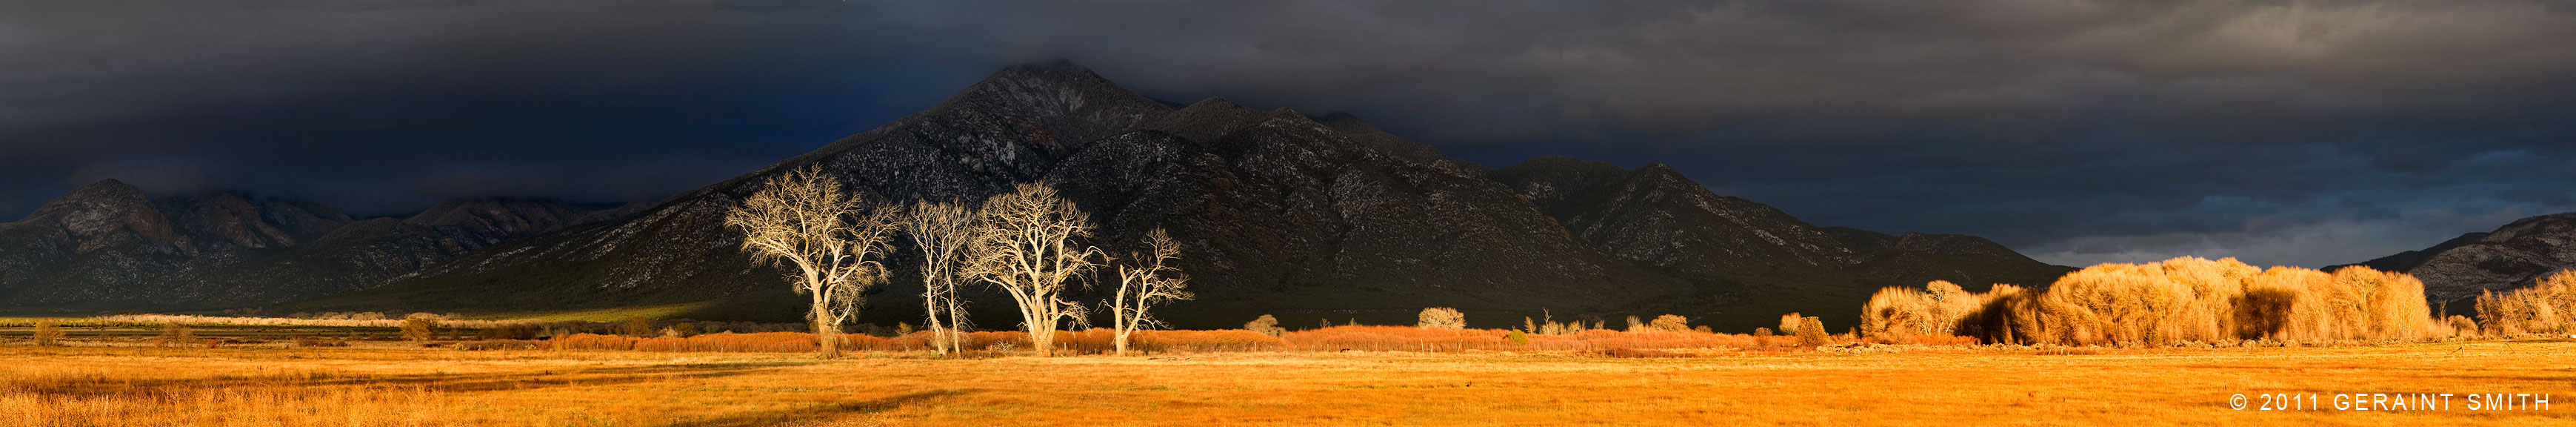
x=2182 y=299
x=1026 y=243
x=2548 y=306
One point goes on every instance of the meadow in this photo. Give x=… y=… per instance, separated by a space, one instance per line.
x=394 y=383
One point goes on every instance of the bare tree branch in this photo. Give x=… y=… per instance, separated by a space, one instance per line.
x=802 y=219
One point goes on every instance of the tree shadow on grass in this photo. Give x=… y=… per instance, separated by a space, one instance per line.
x=816 y=413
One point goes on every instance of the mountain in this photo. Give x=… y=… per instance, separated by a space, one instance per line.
x=108 y=246
x=2408 y=260
x=1752 y=261
x=1304 y=217
x=2512 y=256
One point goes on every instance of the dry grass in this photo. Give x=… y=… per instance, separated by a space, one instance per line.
x=1099 y=341
x=383 y=386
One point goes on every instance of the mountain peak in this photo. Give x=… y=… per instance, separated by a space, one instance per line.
x=2509 y=257
x=110 y=184
x=102 y=195
x=1059 y=65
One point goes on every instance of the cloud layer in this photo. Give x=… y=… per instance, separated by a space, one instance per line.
x=2284 y=132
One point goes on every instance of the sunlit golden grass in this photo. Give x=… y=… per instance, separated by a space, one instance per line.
x=394 y=386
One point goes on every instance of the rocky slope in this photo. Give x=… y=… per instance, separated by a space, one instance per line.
x=1280 y=213
x=1752 y=260
x=107 y=245
x=2509 y=257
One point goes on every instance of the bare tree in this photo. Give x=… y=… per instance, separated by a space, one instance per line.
x=1024 y=244
x=803 y=219
x=1146 y=280
x=942 y=231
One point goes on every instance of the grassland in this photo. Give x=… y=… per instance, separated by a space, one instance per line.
x=400 y=384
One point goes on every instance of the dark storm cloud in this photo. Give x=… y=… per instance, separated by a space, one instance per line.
x=2293 y=132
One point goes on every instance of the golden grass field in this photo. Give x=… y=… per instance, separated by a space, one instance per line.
x=402 y=385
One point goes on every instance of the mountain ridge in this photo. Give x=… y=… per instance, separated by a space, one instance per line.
x=2510 y=257
x=109 y=245
x=1280 y=212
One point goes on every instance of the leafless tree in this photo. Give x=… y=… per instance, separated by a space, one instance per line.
x=1147 y=279
x=942 y=231
x=1024 y=244
x=802 y=219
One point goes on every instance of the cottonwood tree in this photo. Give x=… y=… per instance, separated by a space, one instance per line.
x=802 y=219
x=1146 y=279
x=942 y=231
x=1024 y=244
x=1445 y=318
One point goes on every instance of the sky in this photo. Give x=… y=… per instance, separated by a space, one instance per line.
x=2301 y=133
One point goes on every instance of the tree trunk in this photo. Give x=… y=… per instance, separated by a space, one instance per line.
x=1122 y=342
x=827 y=338
x=1042 y=337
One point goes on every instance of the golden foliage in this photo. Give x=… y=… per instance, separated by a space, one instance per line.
x=1941 y=310
x=1812 y=332
x=1441 y=318
x=1670 y=323
x=420 y=327
x=2179 y=300
x=2542 y=308
x=1266 y=325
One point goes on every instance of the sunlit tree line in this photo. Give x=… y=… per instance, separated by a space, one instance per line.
x=2179 y=300
x=1029 y=243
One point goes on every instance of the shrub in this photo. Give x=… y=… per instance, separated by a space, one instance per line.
x=1670 y=323
x=1762 y=336
x=1442 y=318
x=1789 y=323
x=1811 y=332
x=175 y=334
x=420 y=327
x=2461 y=325
x=1265 y=324
x=48 y=332
x=686 y=329
x=1517 y=337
